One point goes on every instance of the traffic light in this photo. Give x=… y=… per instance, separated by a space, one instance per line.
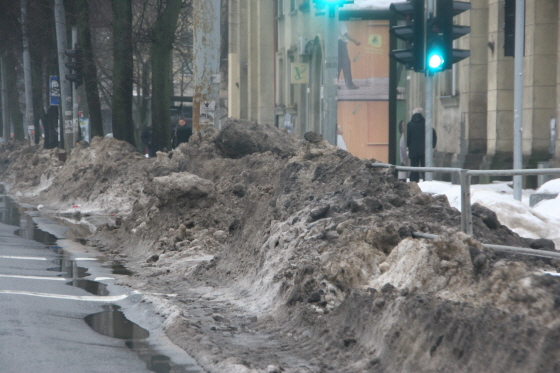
x=331 y=4
x=77 y=65
x=436 y=48
x=440 y=33
x=509 y=28
x=413 y=33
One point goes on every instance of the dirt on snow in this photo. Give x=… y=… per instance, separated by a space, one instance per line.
x=292 y=255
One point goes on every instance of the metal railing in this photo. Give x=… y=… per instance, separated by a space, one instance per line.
x=465 y=179
x=510 y=249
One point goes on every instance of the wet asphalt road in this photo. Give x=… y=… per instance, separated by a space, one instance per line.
x=43 y=314
x=41 y=333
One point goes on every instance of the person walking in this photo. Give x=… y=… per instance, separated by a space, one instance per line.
x=415 y=141
x=148 y=140
x=344 y=63
x=181 y=133
x=402 y=150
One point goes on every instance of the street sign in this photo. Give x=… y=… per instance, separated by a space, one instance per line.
x=300 y=73
x=54 y=91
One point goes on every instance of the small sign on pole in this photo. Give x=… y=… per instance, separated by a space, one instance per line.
x=54 y=91
x=300 y=73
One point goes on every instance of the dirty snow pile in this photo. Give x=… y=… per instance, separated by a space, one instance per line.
x=97 y=178
x=302 y=258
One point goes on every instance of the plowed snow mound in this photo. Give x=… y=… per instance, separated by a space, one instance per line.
x=104 y=177
x=318 y=240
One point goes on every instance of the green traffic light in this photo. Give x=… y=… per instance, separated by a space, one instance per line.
x=435 y=61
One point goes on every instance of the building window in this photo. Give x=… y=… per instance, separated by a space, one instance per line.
x=304 y=7
x=293 y=6
x=280 y=8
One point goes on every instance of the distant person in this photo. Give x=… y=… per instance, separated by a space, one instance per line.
x=340 y=139
x=148 y=140
x=402 y=150
x=344 y=63
x=181 y=133
x=415 y=140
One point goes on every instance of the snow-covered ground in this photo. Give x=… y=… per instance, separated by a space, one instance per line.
x=540 y=221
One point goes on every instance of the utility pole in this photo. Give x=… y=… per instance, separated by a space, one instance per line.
x=5 y=113
x=207 y=19
x=330 y=104
x=75 y=119
x=66 y=99
x=29 y=122
x=428 y=139
x=518 y=96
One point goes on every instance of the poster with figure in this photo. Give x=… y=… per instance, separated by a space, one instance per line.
x=207 y=109
x=363 y=63
x=363 y=87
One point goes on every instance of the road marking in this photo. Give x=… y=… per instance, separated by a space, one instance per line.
x=36 y=277
x=160 y=294
x=88 y=298
x=22 y=257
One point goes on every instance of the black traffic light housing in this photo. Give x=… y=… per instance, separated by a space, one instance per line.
x=441 y=32
x=76 y=65
x=413 y=33
x=509 y=28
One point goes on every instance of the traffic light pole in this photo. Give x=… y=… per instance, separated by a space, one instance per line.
x=74 y=95
x=206 y=62
x=65 y=85
x=428 y=142
x=518 y=96
x=5 y=114
x=331 y=77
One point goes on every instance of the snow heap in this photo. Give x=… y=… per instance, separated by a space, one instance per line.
x=317 y=243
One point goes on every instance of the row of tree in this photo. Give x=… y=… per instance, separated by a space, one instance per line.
x=129 y=50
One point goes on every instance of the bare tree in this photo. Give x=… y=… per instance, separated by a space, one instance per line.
x=10 y=48
x=123 y=126
x=162 y=45
x=90 y=68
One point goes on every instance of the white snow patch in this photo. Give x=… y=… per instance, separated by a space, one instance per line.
x=542 y=221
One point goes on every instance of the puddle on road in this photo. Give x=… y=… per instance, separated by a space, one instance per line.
x=112 y=322
x=93 y=287
x=13 y=214
x=118 y=268
x=69 y=269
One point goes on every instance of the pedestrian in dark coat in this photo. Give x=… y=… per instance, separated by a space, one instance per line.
x=181 y=133
x=415 y=141
x=148 y=140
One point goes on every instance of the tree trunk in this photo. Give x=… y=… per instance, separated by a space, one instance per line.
x=13 y=97
x=142 y=103
x=51 y=123
x=161 y=48
x=28 y=83
x=5 y=111
x=90 y=69
x=123 y=126
x=37 y=91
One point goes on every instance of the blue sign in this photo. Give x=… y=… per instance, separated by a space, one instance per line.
x=54 y=91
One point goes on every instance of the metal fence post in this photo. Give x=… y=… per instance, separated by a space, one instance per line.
x=466 y=209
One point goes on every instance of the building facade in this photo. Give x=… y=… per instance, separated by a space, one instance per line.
x=277 y=63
